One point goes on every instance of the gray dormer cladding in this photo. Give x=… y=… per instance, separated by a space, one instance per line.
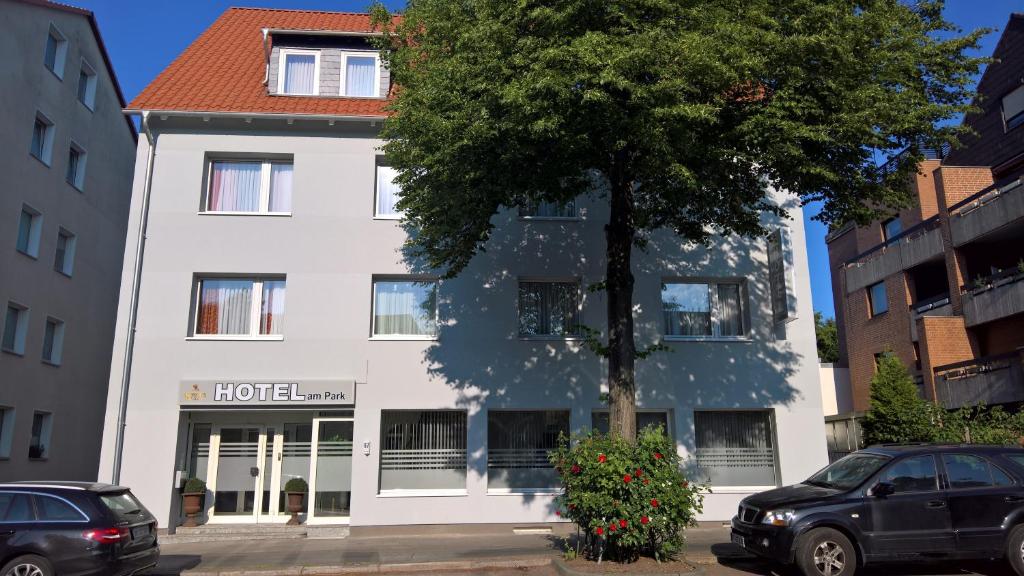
x=331 y=49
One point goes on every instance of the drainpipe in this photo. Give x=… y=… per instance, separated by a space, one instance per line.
x=133 y=308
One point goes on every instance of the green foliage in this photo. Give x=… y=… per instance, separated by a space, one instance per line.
x=296 y=486
x=979 y=425
x=828 y=338
x=897 y=414
x=630 y=498
x=194 y=486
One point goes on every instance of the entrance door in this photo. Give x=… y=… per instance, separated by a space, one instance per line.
x=239 y=468
x=331 y=485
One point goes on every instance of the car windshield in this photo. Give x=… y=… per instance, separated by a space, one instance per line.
x=848 y=472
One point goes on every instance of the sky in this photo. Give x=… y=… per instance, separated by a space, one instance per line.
x=143 y=37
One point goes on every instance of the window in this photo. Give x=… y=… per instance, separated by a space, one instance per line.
x=548 y=210
x=53 y=341
x=87 y=86
x=52 y=509
x=966 y=471
x=549 y=309
x=15 y=507
x=701 y=310
x=30 y=230
x=15 y=328
x=42 y=139
x=877 y=299
x=405 y=308
x=360 y=75
x=56 y=52
x=518 y=443
x=6 y=431
x=299 y=72
x=1013 y=108
x=915 y=474
x=76 y=166
x=423 y=451
x=387 y=193
x=891 y=228
x=600 y=420
x=235 y=307
x=736 y=448
x=64 y=257
x=39 y=445
x=253 y=187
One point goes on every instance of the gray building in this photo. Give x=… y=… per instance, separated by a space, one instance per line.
x=280 y=333
x=63 y=217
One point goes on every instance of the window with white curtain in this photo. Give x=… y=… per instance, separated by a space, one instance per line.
x=549 y=308
x=239 y=307
x=360 y=75
x=299 y=72
x=388 y=192
x=703 y=310
x=518 y=443
x=422 y=451
x=405 y=308
x=249 y=187
x=735 y=448
x=548 y=210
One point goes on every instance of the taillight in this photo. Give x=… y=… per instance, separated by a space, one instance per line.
x=106 y=535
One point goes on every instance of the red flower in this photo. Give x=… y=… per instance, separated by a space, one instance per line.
x=611 y=527
x=685 y=484
x=644 y=519
x=627 y=478
x=558 y=512
x=599 y=530
x=602 y=458
x=639 y=473
x=654 y=502
x=646 y=481
x=657 y=455
x=575 y=469
x=622 y=524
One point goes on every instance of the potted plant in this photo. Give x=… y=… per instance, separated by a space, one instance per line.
x=296 y=489
x=192 y=496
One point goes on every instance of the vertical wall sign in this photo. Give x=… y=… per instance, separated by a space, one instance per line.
x=780 y=275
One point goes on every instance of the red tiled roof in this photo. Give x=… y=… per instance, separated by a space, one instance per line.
x=223 y=69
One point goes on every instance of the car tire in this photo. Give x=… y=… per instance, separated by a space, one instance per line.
x=28 y=565
x=1015 y=550
x=826 y=552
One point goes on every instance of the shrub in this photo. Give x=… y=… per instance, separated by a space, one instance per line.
x=194 y=486
x=296 y=486
x=629 y=499
x=898 y=414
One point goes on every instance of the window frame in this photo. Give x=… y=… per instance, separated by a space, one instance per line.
x=345 y=54
x=60 y=52
x=76 y=180
x=404 y=279
x=255 y=307
x=715 y=310
x=992 y=485
x=1017 y=120
x=283 y=54
x=871 y=299
x=45 y=153
x=45 y=435
x=37 y=496
x=939 y=472
x=520 y=491
x=377 y=215
x=57 y=345
x=8 y=415
x=578 y=282
x=886 y=235
x=533 y=218
x=20 y=328
x=67 y=266
x=90 y=87
x=35 y=232
x=266 y=172
x=773 y=435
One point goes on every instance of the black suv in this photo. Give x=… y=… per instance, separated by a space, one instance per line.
x=80 y=528
x=889 y=503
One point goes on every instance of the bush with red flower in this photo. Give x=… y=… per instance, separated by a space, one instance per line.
x=622 y=518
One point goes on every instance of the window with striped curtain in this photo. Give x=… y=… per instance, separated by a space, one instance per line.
x=735 y=448
x=422 y=450
x=518 y=443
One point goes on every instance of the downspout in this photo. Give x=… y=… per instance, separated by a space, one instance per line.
x=133 y=308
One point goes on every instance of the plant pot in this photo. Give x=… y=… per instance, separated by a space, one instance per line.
x=295 y=506
x=192 y=504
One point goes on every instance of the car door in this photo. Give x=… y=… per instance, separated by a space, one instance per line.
x=61 y=523
x=980 y=496
x=914 y=518
x=16 y=522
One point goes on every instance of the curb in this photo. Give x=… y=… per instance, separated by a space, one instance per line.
x=526 y=562
x=564 y=570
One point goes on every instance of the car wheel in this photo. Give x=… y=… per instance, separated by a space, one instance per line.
x=29 y=565
x=826 y=552
x=1015 y=550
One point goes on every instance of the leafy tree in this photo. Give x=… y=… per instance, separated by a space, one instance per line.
x=828 y=338
x=679 y=114
x=897 y=413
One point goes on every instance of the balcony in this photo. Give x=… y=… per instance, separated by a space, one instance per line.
x=938 y=306
x=995 y=297
x=985 y=212
x=910 y=248
x=988 y=380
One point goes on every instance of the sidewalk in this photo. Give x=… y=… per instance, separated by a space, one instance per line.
x=398 y=550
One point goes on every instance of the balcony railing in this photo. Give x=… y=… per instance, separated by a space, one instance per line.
x=911 y=247
x=989 y=380
x=994 y=297
x=986 y=211
x=937 y=306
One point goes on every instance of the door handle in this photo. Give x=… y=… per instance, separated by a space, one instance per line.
x=1014 y=499
x=935 y=504
x=6 y=532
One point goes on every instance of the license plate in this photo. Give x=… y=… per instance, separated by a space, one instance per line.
x=139 y=532
x=739 y=540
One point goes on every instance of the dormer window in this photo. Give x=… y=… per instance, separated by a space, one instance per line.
x=360 y=74
x=299 y=72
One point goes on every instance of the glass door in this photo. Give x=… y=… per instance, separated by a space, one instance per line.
x=239 y=468
x=293 y=461
x=331 y=485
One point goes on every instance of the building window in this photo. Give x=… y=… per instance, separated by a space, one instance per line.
x=423 y=451
x=388 y=192
x=549 y=309
x=233 y=307
x=891 y=228
x=15 y=328
x=735 y=448
x=39 y=444
x=30 y=230
x=1013 y=108
x=64 y=258
x=877 y=299
x=702 y=310
x=76 y=166
x=6 y=431
x=405 y=308
x=87 y=86
x=299 y=72
x=600 y=420
x=548 y=210
x=518 y=443
x=360 y=75
x=249 y=187
x=42 y=139
x=56 y=52
x=53 y=341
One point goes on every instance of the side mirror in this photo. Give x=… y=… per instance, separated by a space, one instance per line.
x=882 y=489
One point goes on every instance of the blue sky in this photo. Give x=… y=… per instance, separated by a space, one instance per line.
x=144 y=37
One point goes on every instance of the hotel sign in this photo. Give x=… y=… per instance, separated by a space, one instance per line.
x=268 y=393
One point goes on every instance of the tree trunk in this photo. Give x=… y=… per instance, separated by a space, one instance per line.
x=619 y=287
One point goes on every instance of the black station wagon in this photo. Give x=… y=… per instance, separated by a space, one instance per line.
x=893 y=503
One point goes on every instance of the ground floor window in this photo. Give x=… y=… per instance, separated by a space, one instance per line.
x=423 y=450
x=735 y=448
x=518 y=443
x=644 y=418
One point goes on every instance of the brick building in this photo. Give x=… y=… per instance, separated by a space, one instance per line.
x=941 y=284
